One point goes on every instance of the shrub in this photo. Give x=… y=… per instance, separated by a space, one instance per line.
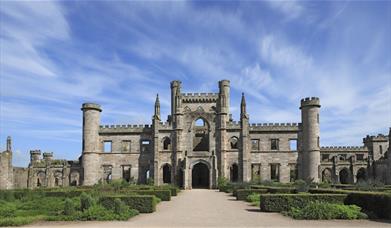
x=320 y=210
x=164 y=195
x=275 y=190
x=7 y=209
x=254 y=199
x=378 y=204
x=120 y=207
x=328 y=191
x=69 y=208
x=150 y=181
x=301 y=186
x=144 y=204
x=241 y=194
x=19 y=221
x=86 y=201
x=283 y=202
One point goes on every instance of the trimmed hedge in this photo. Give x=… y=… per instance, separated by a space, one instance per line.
x=241 y=194
x=377 y=203
x=144 y=204
x=328 y=191
x=164 y=195
x=283 y=202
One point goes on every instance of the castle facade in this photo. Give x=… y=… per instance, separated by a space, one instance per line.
x=199 y=143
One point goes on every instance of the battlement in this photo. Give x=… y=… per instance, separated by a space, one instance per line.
x=35 y=152
x=47 y=154
x=344 y=148
x=377 y=138
x=274 y=126
x=91 y=106
x=124 y=128
x=199 y=97
x=165 y=125
x=310 y=101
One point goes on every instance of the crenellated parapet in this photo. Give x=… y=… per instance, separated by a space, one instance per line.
x=377 y=138
x=124 y=128
x=343 y=149
x=274 y=126
x=165 y=126
x=310 y=101
x=199 y=97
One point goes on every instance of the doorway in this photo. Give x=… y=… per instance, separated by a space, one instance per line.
x=200 y=176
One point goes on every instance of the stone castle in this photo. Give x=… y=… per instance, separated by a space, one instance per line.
x=199 y=143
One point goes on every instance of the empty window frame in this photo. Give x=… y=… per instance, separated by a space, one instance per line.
x=275 y=172
x=234 y=143
x=293 y=144
x=126 y=146
x=107 y=146
x=274 y=144
x=380 y=149
x=145 y=145
x=325 y=157
x=254 y=144
x=166 y=143
x=360 y=157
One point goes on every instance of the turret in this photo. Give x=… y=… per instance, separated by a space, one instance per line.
x=91 y=144
x=48 y=156
x=175 y=93
x=35 y=155
x=310 y=161
x=224 y=95
x=9 y=143
x=157 y=108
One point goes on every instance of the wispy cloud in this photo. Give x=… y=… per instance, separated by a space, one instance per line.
x=57 y=55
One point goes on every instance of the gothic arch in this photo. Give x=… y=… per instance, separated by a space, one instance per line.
x=74 y=178
x=234 y=143
x=361 y=174
x=166 y=143
x=344 y=176
x=327 y=175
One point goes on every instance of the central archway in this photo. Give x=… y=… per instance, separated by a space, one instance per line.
x=200 y=176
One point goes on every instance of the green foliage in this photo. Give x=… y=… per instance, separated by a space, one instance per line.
x=369 y=185
x=324 y=185
x=69 y=207
x=283 y=202
x=86 y=201
x=120 y=207
x=242 y=194
x=20 y=220
x=320 y=210
x=164 y=195
x=302 y=186
x=254 y=199
x=377 y=204
x=143 y=204
x=7 y=209
x=150 y=181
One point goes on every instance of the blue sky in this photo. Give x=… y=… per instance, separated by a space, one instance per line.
x=57 y=55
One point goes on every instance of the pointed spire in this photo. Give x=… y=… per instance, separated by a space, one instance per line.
x=157 y=107
x=243 y=105
x=9 y=143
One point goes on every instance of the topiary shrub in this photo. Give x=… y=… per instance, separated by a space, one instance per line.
x=378 y=204
x=283 y=202
x=86 y=201
x=143 y=204
x=69 y=208
x=320 y=210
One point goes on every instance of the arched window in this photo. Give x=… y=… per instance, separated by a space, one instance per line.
x=166 y=143
x=234 y=142
x=201 y=135
x=108 y=178
x=326 y=175
x=56 y=182
x=166 y=174
x=200 y=123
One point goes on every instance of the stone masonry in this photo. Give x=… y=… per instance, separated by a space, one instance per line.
x=199 y=143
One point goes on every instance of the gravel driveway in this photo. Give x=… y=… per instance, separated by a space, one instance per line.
x=201 y=208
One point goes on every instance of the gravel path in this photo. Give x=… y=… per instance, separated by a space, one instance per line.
x=210 y=208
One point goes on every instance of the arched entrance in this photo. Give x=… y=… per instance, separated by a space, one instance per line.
x=344 y=176
x=234 y=173
x=200 y=176
x=361 y=175
x=166 y=174
x=327 y=175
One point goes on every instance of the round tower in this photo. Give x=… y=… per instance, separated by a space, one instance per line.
x=91 y=145
x=35 y=155
x=310 y=138
x=224 y=90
